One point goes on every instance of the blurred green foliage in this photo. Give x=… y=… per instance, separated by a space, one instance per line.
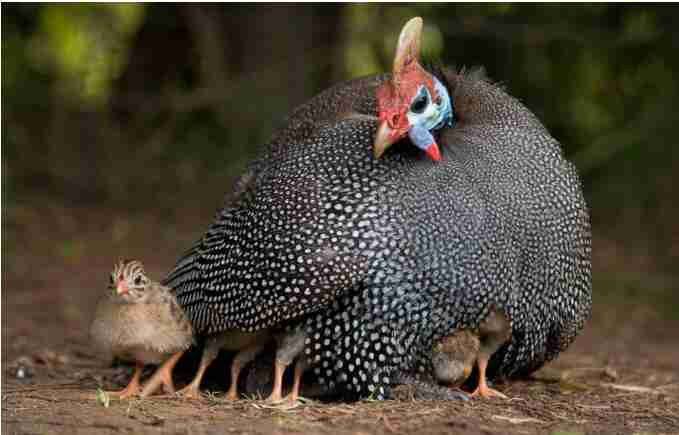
x=125 y=102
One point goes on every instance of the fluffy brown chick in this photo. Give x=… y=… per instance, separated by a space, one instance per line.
x=454 y=357
x=139 y=320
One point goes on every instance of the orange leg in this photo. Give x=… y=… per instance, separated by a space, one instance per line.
x=294 y=393
x=277 y=391
x=232 y=394
x=483 y=389
x=133 y=387
x=162 y=377
x=241 y=359
x=192 y=391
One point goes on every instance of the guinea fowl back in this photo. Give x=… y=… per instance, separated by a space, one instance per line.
x=274 y=191
x=534 y=196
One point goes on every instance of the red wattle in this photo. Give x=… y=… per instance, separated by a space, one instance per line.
x=433 y=151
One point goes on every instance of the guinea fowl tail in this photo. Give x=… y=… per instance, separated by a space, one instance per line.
x=184 y=282
x=183 y=270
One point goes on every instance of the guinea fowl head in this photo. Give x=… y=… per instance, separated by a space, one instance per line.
x=128 y=282
x=414 y=102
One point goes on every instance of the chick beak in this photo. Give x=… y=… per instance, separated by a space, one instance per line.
x=384 y=138
x=121 y=288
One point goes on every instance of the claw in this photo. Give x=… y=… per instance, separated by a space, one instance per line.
x=132 y=388
x=162 y=377
x=190 y=392
x=483 y=389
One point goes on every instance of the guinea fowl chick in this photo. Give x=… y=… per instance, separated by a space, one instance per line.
x=453 y=356
x=139 y=320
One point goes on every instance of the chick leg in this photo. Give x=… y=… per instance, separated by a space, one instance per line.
x=192 y=391
x=162 y=377
x=133 y=387
x=483 y=389
x=300 y=366
x=277 y=391
x=291 y=344
x=239 y=361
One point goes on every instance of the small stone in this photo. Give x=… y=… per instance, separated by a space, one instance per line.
x=23 y=372
x=611 y=373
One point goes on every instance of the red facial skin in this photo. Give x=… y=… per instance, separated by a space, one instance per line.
x=394 y=97
x=121 y=287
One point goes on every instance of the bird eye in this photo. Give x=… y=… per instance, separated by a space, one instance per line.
x=420 y=103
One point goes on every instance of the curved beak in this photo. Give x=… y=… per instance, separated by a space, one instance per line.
x=121 y=288
x=384 y=138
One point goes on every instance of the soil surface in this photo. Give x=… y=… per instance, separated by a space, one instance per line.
x=620 y=376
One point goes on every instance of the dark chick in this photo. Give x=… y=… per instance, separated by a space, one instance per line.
x=454 y=356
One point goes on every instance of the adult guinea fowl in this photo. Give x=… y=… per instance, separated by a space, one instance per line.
x=377 y=250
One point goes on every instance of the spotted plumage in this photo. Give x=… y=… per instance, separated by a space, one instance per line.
x=378 y=259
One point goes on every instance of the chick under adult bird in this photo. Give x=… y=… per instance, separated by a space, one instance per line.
x=453 y=358
x=139 y=320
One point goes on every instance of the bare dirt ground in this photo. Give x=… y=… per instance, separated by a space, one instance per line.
x=621 y=375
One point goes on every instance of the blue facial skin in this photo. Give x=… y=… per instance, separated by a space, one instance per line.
x=433 y=117
x=420 y=137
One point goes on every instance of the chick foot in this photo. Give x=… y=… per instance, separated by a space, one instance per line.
x=132 y=387
x=483 y=389
x=162 y=377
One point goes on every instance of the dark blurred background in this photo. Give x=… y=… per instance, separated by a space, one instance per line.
x=123 y=125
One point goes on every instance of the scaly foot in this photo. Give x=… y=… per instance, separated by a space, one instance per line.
x=232 y=394
x=291 y=398
x=274 y=397
x=132 y=388
x=162 y=377
x=485 y=391
x=126 y=392
x=191 y=391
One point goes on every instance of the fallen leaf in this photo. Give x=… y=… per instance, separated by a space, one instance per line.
x=103 y=398
x=517 y=420
x=631 y=388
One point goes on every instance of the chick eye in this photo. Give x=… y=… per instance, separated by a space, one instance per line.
x=420 y=103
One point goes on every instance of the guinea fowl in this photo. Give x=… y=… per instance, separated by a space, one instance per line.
x=139 y=320
x=376 y=259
